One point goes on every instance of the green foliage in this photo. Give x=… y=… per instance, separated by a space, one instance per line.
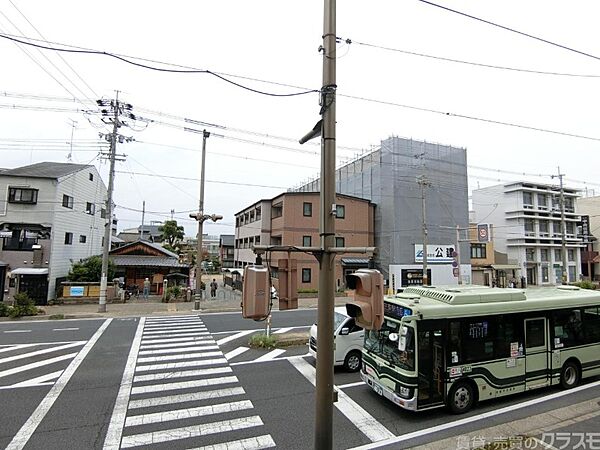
x=3 y=309
x=90 y=269
x=24 y=306
x=56 y=317
x=308 y=291
x=262 y=341
x=585 y=284
x=171 y=234
x=174 y=291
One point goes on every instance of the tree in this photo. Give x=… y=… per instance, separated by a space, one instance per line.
x=171 y=234
x=90 y=269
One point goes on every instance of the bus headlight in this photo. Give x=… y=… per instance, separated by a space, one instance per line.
x=404 y=392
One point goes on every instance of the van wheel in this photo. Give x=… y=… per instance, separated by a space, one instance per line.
x=461 y=397
x=569 y=375
x=352 y=361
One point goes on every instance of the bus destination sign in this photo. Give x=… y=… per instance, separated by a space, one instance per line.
x=397 y=311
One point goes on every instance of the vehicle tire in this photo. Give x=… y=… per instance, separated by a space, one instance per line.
x=461 y=397
x=352 y=361
x=570 y=375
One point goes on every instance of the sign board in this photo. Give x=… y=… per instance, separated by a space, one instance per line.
x=455 y=271
x=483 y=232
x=436 y=253
x=585 y=228
x=414 y=277
x=76 y=291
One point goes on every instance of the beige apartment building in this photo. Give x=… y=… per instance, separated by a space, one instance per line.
x=292 y=219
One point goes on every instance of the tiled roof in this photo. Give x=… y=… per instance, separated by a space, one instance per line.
x=146 y=261
x=45 y=170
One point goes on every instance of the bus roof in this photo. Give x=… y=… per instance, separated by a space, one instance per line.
x=471 y=300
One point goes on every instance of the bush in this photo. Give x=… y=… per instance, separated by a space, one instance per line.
x=308 y=291
x=262 y=341
x=56 y=317
x=3 y=309
x=24 y=306
x=585 y=284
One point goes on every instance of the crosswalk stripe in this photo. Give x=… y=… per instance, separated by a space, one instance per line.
x=184 y=398
x=168 y=340
x=179 y=335
x=182 y=364
x=190 y=431
x=176 y=323
x=198 y=346
x=183 y=330
x=37 y=364
x=187 y=413
x=12 y=348
x=200 y=341
x=183 y=385
x=41 y=352
x=38 y=380
x=255 y=443
x=282 y=330
x=181 y=374
x=171 y=319
x=235 y=336
x=196 y=355
x=177 y=328
x=236 y=352
x=271 y=355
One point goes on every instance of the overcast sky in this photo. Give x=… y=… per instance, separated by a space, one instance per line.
x=277 y=41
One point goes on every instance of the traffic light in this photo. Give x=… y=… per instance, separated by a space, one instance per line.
x=367 y=306
x=288 y=284
x=256 y=294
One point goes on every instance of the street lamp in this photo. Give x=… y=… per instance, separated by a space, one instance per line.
x=200 y=218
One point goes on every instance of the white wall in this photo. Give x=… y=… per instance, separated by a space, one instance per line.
x=441 y=274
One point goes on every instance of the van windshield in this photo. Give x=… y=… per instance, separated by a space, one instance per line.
x=338 y=319
x=379 y=343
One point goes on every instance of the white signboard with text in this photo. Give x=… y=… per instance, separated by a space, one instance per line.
x=436 y=253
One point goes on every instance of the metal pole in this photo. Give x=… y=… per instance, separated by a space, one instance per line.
x=143 y=214
x=324 y=393
x=458 y=254
x=563 y=227
x=109 y=214
x=423 y=182
x=198 y=295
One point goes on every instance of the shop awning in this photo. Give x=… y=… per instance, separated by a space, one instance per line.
x=506 y=267
x=29 y=271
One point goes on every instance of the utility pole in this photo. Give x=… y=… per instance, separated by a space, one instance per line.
x=198 y=294
x=324 y=392
x=172 y=213
x=424 y=182
x=563 y=228
x=458 y=254
x=143 y=214
x=109 y=209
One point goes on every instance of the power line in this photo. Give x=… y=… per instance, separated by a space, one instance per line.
x=512 y=30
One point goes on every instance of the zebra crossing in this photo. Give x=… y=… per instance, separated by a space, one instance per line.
x=178 y=391
x=35 y=364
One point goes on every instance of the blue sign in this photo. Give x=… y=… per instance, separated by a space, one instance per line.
x=76 y=291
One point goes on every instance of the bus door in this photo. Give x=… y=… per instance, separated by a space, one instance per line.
x=431 y=366
x=536 y=354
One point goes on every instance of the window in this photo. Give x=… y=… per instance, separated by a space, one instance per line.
x=68 y=238
x=527 y=199
x=67 y=201
x=543 y=226
x=90 y=208
x=91 y=176
x=556 y=229
x=535 y=335
x=544 y=274
x=572 y=273
x=570 y=228
x=478 y=251
x=307 y=209
x=530 y=254
x=306 y=241
x=257 y=240
x=591 y=325
x=82 y=238
x=557 y=254
x=277 y=210
x=543 y=254
x=258 y=213
x=18 y=241
x=340 y=211
x=340 y=242
x=22 y=195
x=102 y=213
x=571 y=254
x=542 y=201
x=529 y=230
x=306 y=275
x=567 y=328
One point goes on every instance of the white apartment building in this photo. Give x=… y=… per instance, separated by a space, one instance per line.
x=253 y=227
x=527 y=226
x=51 y=215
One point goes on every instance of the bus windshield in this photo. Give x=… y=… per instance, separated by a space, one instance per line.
x=379 y=343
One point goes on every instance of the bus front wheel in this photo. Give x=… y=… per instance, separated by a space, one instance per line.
x=461 y=398
x=570 y=375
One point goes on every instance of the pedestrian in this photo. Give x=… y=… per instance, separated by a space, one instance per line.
x=213 y=288
x=146 y=288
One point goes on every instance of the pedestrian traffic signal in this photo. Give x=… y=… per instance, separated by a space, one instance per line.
x=288 y=284
x=256 y=293
x=367 y=306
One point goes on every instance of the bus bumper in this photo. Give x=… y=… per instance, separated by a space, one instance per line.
x=406 y=403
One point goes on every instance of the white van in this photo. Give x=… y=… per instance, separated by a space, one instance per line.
x=348 y=337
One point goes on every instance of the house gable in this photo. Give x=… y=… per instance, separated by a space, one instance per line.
x=142 y=248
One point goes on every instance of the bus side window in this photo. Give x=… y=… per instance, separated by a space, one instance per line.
x=567 y=326
x=509 y=331
x=591 y=325
x=454 y=343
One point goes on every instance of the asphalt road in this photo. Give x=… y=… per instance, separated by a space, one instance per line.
x=192 y=381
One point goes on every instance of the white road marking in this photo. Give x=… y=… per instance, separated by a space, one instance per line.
x=255 y=443
x=235 y=336
x=366 y=423
x=351 y=385
x=183 y=385
x=190 y=431
x=187 y=413
x=180 y=365
x=41 y=352
x=12 y=348
x=236 y=352
x=190 y=341
x=172 y=331
x=485 y=415
x=117 y=420
x=283 y=330
x=24 y=434
x=177 y=335
x=176 y=324
x=198 y=346
x=163 y=318
x=17 y=331
x=271 y=355
x=184 y=398
x=256 y=361
x=49 y=383
x=181 y=374
x=65 y=329
x=256 y=330
x=37 y=364
x=151 y=359
x=163 y=340
x=42 y=380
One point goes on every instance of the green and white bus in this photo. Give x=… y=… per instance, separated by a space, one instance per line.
x=456 y=346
